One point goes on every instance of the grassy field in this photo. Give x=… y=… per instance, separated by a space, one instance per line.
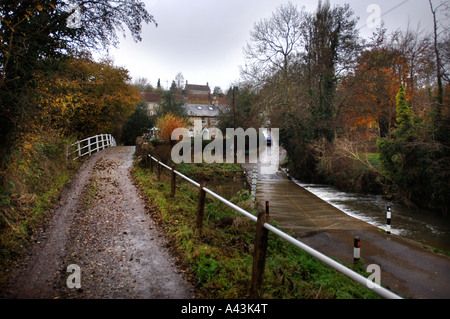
x=218 y=262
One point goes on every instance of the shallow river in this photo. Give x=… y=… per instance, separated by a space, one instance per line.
x=422 y=226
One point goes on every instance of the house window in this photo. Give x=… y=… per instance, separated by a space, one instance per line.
x=204 y=120
x=214 y=121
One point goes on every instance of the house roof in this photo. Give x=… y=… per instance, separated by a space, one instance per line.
x=221 y=100
x=150 y=97
x=201 y=109
x=197 y=87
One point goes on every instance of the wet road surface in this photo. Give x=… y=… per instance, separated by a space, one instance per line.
x=101 y=226
x=406 y=268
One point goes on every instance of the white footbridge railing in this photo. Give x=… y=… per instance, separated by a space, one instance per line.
x=90 y=145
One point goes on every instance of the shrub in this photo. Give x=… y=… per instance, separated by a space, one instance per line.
x=35 y=172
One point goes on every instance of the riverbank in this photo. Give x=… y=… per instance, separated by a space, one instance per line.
x=406 y=268
x=342 y=187
x=363 y=173
x=218 y=262
x=429 y=229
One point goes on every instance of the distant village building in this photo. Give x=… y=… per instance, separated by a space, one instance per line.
x=207 y=114
x=152 y=100
x=197 y=89
x=197 y=94
x=199 y=105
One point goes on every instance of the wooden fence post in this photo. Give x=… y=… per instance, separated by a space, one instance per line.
x=201 y=207
x=159 y=171
x=151 y=163
x=259 y=255
x=173 y=183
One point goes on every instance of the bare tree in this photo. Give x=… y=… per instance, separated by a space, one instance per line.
x=273 y=44
x=179 y=81
x=142 y=84
x=439 y=66
x=99 y=21
x=415 y=48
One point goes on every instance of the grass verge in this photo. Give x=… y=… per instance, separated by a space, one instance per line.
x=35 y=173
x=218 y=262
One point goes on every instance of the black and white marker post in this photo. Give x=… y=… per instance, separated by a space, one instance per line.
x=388 y=217
x=356 y=247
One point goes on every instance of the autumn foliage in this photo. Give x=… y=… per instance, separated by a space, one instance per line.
x=167 y=124
x=52 y=92
x=333 y=95
x=370 y=92
x=85 y=98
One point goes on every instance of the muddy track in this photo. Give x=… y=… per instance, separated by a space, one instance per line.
x=102 y=227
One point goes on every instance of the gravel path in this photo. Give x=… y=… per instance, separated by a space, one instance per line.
x=102 y=227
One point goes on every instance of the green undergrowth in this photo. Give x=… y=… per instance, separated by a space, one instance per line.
x=219 y=261
x=34 y=174
x=206 y=171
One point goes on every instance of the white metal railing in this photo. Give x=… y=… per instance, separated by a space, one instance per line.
x=91 y=145
x=381 y=291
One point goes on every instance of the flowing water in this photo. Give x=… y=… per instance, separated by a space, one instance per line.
x=423 y=226
x=429 y=228
x=426 y=227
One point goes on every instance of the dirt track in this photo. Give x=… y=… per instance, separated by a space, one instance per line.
x=102 y=227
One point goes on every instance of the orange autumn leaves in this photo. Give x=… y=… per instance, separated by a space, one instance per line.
x=167 y=124
x=370 y=92
x=84 y=97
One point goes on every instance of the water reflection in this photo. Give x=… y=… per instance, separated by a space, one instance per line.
x=229 y=187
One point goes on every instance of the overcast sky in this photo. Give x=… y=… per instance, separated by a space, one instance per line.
x=203 y=39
